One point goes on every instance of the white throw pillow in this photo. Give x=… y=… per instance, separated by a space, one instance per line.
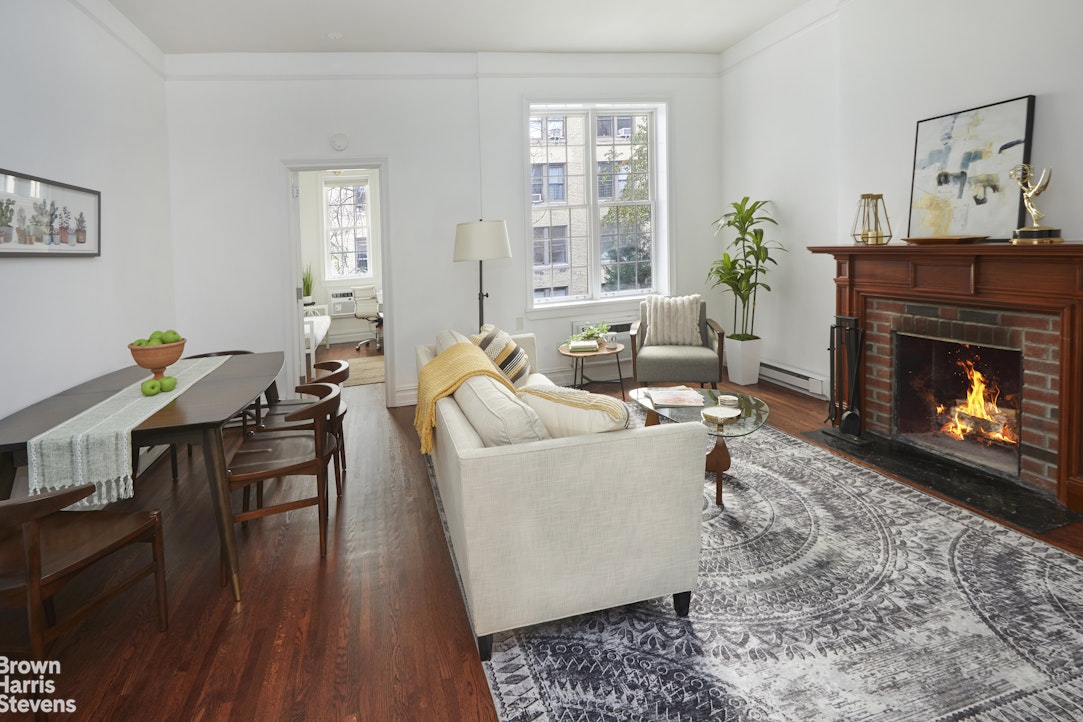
x=449 y=337
x=498 y=417
x=572 y=412
x=673 y=321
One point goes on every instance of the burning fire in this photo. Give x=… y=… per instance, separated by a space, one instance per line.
x=978 y=415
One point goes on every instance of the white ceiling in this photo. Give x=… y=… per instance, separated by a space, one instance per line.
x=563 y=26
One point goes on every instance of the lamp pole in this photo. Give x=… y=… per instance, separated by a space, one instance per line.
x=481 y=296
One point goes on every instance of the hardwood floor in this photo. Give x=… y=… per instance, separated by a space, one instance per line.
x=376 y=631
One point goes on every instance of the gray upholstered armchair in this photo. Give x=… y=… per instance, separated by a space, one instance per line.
x=685 y=362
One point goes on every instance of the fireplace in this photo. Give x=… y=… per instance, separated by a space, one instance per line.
x=959 y=400
x=1014 y=314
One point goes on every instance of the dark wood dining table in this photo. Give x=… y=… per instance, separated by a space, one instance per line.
x=196 y=416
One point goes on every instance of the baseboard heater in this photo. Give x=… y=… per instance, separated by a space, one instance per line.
x=793 y=379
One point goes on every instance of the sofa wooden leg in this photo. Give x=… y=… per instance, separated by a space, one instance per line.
x=681 y=602
x=485 y=647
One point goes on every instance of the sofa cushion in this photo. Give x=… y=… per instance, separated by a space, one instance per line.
x=673 y=321
x=505 y=353
x=572 y=412
x=497 y=416
x=449 y=337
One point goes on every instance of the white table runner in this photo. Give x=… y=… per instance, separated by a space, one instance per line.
x=96 y=445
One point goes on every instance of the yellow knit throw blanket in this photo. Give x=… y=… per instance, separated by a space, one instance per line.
x=442 y=377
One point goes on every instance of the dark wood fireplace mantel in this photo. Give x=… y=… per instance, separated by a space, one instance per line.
x=1044 y=278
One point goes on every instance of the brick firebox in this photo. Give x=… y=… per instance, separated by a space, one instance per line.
x=1024 y=297
x=1036 y=335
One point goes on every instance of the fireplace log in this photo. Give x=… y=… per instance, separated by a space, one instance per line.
x=984 y=427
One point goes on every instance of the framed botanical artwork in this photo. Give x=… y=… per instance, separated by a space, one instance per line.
x=961 y=185
x=45 y=218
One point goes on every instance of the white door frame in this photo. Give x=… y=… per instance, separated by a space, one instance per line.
x=293 y=332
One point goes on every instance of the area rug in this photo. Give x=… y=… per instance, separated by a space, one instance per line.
x=366 y=370
x=826 y=592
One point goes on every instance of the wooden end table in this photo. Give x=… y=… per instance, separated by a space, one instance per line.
x=579 y=379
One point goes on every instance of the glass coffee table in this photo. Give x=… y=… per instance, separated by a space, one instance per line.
x=753 y=415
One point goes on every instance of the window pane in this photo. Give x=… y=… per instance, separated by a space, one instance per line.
x=627 y=249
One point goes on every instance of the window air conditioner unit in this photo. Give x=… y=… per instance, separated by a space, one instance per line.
x=341 y=303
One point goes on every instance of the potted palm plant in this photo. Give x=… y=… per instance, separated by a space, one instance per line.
x=741 y=270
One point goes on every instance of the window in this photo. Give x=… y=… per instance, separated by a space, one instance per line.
x=595 y=197
x=347 y=229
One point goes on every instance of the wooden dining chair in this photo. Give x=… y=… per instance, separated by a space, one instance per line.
x=304 y=449
x=330 y=372
x=42 y=549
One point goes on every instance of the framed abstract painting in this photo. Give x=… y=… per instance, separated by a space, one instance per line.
x=47 y=219
x=961 y=186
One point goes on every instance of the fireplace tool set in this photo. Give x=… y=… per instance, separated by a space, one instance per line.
x=846 y=345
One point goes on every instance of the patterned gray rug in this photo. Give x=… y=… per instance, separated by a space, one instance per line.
x=826 y=592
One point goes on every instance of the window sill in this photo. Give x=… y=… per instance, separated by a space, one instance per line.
x=580 y=309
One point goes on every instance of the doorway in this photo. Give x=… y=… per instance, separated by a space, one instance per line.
x=339 y=222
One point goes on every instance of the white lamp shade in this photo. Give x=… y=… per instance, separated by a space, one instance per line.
x=482 y=241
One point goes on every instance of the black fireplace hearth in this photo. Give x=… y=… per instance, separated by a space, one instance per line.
x=988 y=493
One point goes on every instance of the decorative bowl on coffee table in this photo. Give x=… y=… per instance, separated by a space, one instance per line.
x=157 y=357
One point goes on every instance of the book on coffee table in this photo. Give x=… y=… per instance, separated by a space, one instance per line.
x=675 y=396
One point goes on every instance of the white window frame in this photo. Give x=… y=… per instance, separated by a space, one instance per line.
x=659 y=181
x=330 y=180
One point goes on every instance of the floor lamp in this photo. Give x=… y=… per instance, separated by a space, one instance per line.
x=481 y=241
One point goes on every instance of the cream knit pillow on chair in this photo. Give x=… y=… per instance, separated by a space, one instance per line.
x=673 y=321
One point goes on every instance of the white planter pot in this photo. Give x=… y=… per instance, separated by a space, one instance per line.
x=743 y=361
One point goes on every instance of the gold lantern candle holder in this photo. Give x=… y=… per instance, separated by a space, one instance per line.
x=871 y=225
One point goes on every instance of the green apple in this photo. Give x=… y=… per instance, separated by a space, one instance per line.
x=156 y=334
x=169 y=383
x=150 y=387
x=139 y=342
x=154 y=341
x=170 y=336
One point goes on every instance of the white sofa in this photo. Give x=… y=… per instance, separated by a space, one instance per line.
x=552 y=528
x=317 y=324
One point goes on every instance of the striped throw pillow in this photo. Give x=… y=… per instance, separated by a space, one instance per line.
x=505 y=353
x=572 y=412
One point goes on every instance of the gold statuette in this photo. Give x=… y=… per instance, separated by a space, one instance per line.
x=1033 y=234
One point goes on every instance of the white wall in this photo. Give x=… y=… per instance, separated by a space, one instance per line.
x=780 y=142
x=84 y=104
x=822 y=106
x=236 y=122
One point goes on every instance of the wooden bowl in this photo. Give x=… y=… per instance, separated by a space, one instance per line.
x=157 y=358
